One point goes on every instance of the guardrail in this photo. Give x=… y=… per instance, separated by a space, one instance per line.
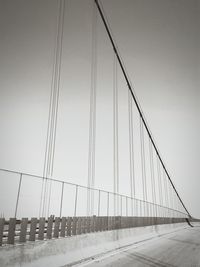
x=24 y=195
x=19 y=231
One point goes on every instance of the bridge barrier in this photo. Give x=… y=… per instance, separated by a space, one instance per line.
x=19 y=231
x=19 y=197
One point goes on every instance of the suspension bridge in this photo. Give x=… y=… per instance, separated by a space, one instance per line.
x=56 y=217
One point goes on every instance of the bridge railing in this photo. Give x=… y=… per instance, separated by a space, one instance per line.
x=23 y=195
x=19 y=231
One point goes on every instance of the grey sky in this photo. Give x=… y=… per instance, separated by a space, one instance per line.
x=159 y=43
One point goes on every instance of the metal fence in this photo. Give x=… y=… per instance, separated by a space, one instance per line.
x=22 y=195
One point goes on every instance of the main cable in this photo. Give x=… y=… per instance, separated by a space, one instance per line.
x=100 y=8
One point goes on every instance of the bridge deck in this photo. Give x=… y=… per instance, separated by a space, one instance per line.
x=161 y=245
x=180 y=248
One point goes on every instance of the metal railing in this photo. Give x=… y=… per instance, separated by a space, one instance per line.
x=21 y=196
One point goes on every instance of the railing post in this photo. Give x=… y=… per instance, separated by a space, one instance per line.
x=108 y=204
x=61 y=201
x=63 y=226
x=131 y=206
x=99 y=202
x=88 y=229
x=23 y=230
x=33 y=227
x=79 y=226
x=50 y=227
x=41 y=228
x=2 y=221
x=156 y=213
x=74 y=226
x=126 y=206
x=93 y=228
x=11 y=231
x=121 y=204
x=69 y=226
x=56 y=227
x=141 y=208
x=18 y=194
x=75 y=204
x=136 y=207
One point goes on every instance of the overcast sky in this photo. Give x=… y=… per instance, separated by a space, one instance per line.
x=159 y=41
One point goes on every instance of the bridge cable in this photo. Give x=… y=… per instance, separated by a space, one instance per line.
x=130 y=87
x=144 y=185
x=49 y=129
x=170 y=197
x=168 y=192
x=165 y=189
x=115 y=138
x=131 y=152
x=173 y=202
x=92 y=117
x=159 y=182
x=58 y=78
x=152 y=176
x=95 y=88
x=53 y=112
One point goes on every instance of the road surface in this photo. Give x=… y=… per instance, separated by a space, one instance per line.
x=179 y=248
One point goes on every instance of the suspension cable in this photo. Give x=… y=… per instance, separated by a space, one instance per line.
x=152 y=174
x=92 y=117
x=130 y=87
x=159 y=182
x=53 y=114
x=58 y=77
x=131 y=151
x=166 y=189
x=143 y=161
x=115 y=137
